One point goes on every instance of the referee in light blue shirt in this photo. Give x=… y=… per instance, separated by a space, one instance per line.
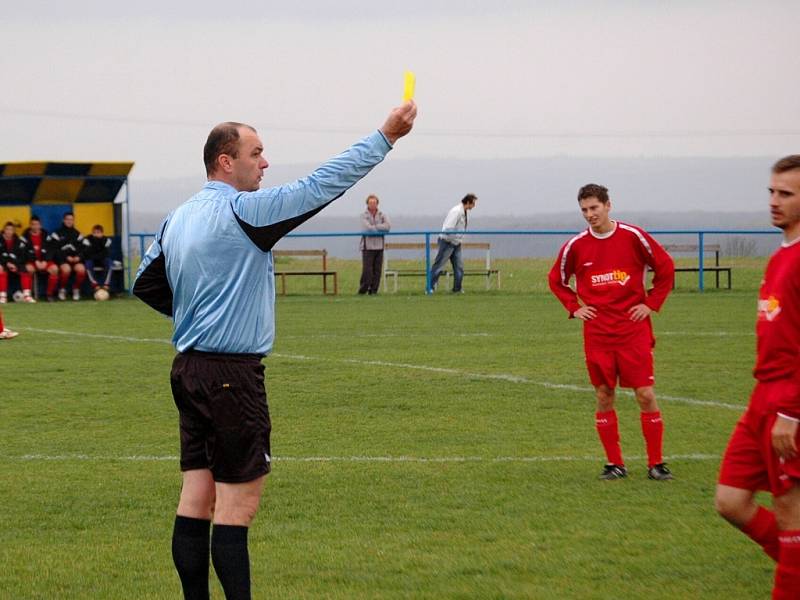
x=210 y=268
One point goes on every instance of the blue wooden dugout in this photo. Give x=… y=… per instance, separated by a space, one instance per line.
x=91 y=190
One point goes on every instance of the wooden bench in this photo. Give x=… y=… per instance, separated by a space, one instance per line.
x=324 y=272
x=694 y=249
x=388 y=272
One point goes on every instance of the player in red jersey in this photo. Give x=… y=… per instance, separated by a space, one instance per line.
x=41 y=255
x=762 y=453
x=610 y=261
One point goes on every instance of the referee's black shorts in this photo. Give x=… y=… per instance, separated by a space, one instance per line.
x=224 y=416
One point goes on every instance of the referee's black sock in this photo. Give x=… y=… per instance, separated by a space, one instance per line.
x=231 y=560
x=190 y=554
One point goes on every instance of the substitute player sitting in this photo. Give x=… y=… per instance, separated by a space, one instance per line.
x=68 y=244
x=96 y=248
x=41 y=255
x=13 y=252
x=610 y=261
x=763 y=450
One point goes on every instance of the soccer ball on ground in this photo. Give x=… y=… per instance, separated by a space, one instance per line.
x=101 y=295
x=18 y=296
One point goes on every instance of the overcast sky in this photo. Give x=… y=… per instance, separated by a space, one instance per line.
x=145 y=81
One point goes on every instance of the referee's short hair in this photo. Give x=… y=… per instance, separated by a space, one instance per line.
x=469 y=199
x=223 y=139
x=787 y=163
x=593 y=190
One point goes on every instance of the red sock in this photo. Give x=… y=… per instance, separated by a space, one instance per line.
x=608 y=430
x=25 y=281
x=653 y=431
x=763 y=530
x=787 y=575
x=3 y=282
x=79 y=277
x=2 y=327
x=52 y=283
x=63 y=279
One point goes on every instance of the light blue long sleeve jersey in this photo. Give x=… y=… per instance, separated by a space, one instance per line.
x=210 y=266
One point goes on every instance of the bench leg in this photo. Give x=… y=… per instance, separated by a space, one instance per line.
x=335 y=284
x=283 y=284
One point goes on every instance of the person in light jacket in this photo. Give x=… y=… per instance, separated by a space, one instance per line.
x=453 y=229
x=372 y=221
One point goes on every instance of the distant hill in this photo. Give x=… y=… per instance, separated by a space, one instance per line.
x=663 y=193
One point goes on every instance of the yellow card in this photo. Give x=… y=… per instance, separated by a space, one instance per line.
x=408 y=87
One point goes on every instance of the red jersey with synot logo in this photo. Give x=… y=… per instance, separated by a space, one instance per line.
x=610 y=275
x=778 y=326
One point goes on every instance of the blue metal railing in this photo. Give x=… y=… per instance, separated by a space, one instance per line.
x=700 y=233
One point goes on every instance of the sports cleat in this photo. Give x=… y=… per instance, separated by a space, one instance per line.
x=29 y=299
x=76 y=295
x=7 y=334
x=659 y=472
x=3 y=298
x=611 y=472
x=62 y=294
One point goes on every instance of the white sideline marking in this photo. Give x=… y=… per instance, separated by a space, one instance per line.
x=362 y=459
x=443 y=370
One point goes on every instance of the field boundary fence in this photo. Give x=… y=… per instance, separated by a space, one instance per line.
x=739 y=238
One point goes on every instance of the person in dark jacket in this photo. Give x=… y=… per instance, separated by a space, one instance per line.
x=68 y=244
x=96 y=249
x=13 y=252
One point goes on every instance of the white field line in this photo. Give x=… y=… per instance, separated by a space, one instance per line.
x=440 y=370
x=358 y=459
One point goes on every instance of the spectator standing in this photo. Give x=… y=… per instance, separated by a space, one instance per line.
x=453 y=229
x=372 y=221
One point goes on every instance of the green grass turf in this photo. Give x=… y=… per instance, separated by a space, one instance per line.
x=506 y=505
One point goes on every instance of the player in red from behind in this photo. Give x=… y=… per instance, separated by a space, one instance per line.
x=762 y=453
x=609 y=261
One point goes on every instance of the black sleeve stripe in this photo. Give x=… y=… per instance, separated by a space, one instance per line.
x=267 y=236
x=152 y=286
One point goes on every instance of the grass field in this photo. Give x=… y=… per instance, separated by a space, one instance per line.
x=425 y=447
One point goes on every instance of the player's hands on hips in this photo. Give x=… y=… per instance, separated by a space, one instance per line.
x=639 y=312
x=784 y=433
x=400 y=121
x=585 y=313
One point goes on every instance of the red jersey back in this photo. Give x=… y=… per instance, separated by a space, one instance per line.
x=778 y=324
x=610 y=274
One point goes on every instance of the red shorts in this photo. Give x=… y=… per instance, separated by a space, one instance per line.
x=750 y=462
x=631 y=364
x=49 y=264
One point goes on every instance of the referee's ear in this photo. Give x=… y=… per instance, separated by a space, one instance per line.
x=224 y=163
